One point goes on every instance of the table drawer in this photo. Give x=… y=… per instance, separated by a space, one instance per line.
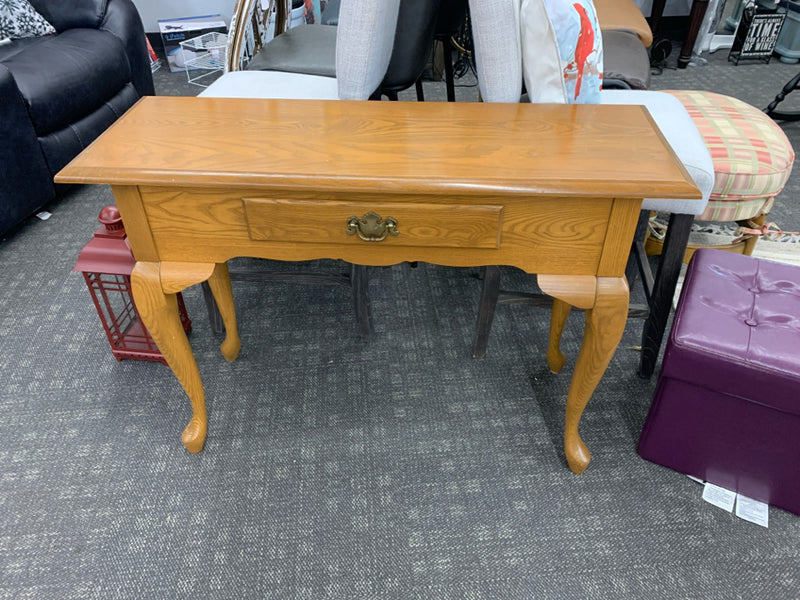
x=402 y=224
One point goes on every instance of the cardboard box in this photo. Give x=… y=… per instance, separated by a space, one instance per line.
x=175 y=31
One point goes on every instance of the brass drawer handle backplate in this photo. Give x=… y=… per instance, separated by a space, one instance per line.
x=371 y=227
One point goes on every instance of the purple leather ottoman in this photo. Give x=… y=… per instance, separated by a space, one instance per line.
x=727 y=404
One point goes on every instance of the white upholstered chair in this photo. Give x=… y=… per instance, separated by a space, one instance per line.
x=312 y=50
x=364 y=42
x=500 y=57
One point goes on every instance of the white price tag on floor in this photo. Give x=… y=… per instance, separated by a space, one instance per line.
x=752 y=510
x=719 y=496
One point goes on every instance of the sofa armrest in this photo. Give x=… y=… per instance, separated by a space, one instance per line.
x=25 y=180
x=118 y=17
x=123 y=20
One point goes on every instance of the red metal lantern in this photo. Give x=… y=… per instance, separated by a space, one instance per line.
x=106 y=262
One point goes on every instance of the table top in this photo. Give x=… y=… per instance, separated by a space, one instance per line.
x=419 y=147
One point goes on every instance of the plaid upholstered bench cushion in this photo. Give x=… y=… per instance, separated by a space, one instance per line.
x=752 y=156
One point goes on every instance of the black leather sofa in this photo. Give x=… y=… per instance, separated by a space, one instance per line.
x=59 y=92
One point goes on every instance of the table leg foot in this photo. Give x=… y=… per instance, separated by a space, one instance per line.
x=194 y=435
x=578 y=456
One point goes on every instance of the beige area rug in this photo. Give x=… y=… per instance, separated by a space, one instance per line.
x=785 y=252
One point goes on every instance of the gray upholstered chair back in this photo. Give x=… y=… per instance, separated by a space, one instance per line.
x=364 y=43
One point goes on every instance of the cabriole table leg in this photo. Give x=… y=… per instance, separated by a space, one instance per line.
x=154 y=286
x=606 y=302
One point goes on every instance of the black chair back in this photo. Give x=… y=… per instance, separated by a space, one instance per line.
x=413 y=39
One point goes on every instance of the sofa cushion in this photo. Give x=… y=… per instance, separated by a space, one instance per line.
x=64 y=77
x=272 y=84
x=623 y=15
x=18 y=19
x=305 y=49
x=625 y=60
x=73 y=14
x=562 y=50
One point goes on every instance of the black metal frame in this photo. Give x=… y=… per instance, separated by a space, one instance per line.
x=787 y=89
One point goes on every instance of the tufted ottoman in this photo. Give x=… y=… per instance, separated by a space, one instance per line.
x=752 y=159
x=727 y=404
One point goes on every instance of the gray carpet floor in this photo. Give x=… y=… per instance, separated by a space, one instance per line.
x=401 y=468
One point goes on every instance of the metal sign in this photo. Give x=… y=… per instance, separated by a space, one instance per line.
x=756 y=36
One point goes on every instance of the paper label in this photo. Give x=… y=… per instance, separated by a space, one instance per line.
x=719 y=496
x=752 y=510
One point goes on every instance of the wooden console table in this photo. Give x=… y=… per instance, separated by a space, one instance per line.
x=552 y=189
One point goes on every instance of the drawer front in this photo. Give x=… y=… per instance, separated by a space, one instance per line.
x=417 y=224
x=540 y=234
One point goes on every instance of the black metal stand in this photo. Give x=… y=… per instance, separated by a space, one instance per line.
x=782 y=115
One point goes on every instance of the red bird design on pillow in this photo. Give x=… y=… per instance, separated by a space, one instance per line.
x=584 y=44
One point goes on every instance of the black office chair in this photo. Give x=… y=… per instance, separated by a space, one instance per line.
x=413 y=40
x=452 y=14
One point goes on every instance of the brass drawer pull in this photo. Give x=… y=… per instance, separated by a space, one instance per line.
x=371 y=227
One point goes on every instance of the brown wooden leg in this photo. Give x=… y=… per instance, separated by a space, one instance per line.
x=606 y=313
x=558 y=316
x=750 y=243
x=490 y=292
x=696 y=14
x=159 y=313
x=220 y=284
x=604 y=324
x=566 y=292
